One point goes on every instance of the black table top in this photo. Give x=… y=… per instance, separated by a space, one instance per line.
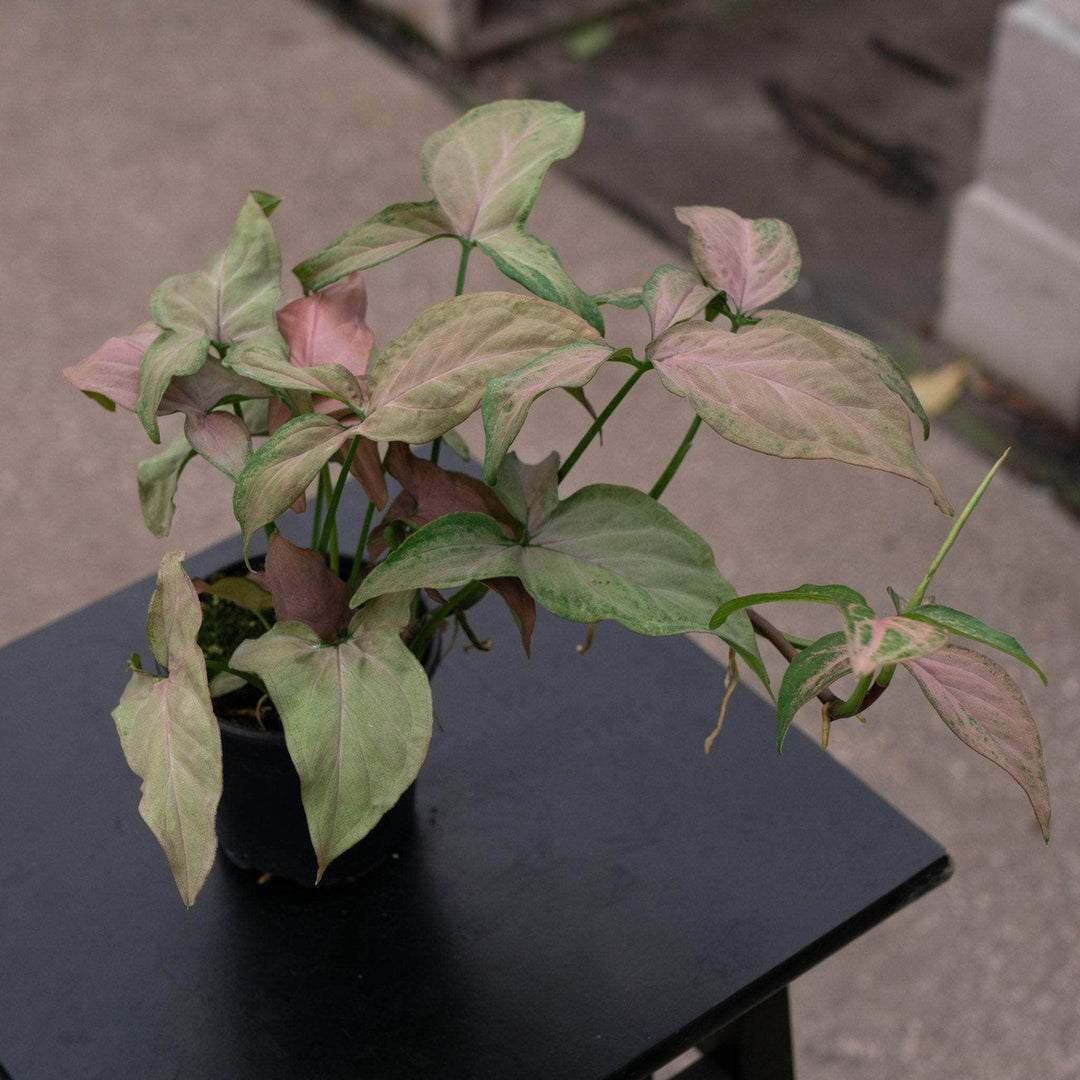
x=584 y=895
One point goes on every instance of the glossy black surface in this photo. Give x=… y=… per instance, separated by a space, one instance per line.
x=584 y=894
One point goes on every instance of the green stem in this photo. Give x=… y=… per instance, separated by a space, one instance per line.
x=320 y=502
x=851 y=705
x=436 y=446
x=673 y=465
x=954 y=532
x=335 y=497
x=599 y=422
x=465 y=597
x=354 y=574
x=463 y=265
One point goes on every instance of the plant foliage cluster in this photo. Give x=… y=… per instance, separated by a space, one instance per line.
x=275 y=396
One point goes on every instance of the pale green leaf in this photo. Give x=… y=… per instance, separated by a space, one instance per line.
x=433 y=376
x=170 y=737
x=283 y=467
x=530 y=262
x=508 y=398
x=171 y=353
x=158 y=478
x=529 y=492
x=486 y=168
x=628 y=298
x=241 y=591
x=985 y=709
x=391 y=232
x=812 y=670
x=959 y=622
x=787 y=387
x=357 y=717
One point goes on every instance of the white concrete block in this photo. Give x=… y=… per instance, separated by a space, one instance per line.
x=1031 y=136
x=1066 y=10
x=1012 y=298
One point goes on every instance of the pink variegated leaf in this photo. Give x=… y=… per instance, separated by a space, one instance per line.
x=522 y=606
x=877 y=642
x=985 y=709
x=207 y=388
x=172 y=353
x=220 y=437
x=753 y=261
x=788 y=388
x=673 y=295
x=328 y=327
x=110 y=375
x=304 y=588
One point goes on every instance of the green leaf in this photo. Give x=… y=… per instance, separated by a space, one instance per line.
x=529 y=492
x=530 y=262
x=170 y=737
x=788 y=387
x=888 y=370
x=959 y=622
x=433 y=376
x=508 y=398
x=985 y=709
x=357 y=719
x=236 y=294
x=241 y=591
x=606 y=552
x=172 y=353
x=812 y=670
x=674 y=295
x=158 y=478
x=283 y=467
x=628 y=298
x=852 y=605
x=486 y=168
x=391 y=232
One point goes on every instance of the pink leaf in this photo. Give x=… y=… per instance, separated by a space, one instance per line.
x=113 y=370
x=753 y=261
x=787 y=387
x=368 y=470
x=209 y=386
x=522 y=606
x=881 y=641
x=328 y=326
x=673 y=295
x=986 y=710
x=304 y=588
x=220 y=437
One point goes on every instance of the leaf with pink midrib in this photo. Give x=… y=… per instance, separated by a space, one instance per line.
x=985 y=709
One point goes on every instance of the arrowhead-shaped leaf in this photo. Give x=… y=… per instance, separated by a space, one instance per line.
x=170 y=737
x=304 y=589
x=530 y=262
x=753 y=261
x=959 y=622
x=486 y=168
x=529 y=492
x=357 y=719
x=235 y=295
x=283 y=467
x=606 y=552
x=812 y=670
x=983 y=707
x=673 y=295
x=787 y=387
x=507 y=399
x=432 y=377
x=112 y=372
x=158 y=478
x=391 y=232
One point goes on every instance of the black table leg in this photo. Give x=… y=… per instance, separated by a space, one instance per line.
x=757 y=1046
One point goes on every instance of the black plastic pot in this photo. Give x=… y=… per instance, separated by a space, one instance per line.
x=261 y=823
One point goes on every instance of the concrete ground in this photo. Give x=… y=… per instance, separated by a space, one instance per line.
x=130 y=132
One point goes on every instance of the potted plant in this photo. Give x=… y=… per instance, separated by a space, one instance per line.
x=332 y=644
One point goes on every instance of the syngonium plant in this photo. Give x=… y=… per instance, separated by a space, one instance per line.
x=306 y=384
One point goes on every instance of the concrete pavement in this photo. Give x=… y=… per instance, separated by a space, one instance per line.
x=130 y=132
